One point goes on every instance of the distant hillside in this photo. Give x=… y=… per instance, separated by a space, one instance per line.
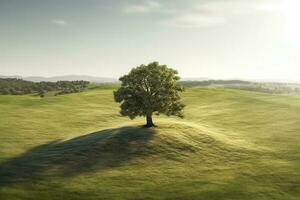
x=92 y=79
x=194 y=79
x=194 y=83
x=266 y=87
x=15 y=86
x=18 y=77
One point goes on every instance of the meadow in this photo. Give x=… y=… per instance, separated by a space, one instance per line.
x=232 y=144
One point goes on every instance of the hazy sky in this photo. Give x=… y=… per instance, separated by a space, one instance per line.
x=254 y=39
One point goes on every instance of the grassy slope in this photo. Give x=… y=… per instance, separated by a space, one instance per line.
x=231 y=145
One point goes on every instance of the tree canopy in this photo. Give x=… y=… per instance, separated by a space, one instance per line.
x=150 y=89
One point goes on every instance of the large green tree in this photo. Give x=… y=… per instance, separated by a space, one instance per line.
x=150 y=89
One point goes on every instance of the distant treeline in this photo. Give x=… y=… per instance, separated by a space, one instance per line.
x=14 y=86
x=273 y=88
x=212 y=82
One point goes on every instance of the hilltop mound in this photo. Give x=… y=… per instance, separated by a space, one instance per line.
x=111 y=148
x=231 y=144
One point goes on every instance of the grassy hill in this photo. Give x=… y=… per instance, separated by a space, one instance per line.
x=232 y=144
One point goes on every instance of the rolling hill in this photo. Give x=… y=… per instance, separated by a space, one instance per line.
x=232 y=144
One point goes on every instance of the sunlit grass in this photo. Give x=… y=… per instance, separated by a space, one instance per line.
x=231 y=144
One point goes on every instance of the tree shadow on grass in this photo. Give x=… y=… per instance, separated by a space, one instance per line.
x=104 y=149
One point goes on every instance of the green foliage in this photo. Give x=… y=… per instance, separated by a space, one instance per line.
x=41 y=93
x=66 y=87
x=150 y=89
x=15 y=86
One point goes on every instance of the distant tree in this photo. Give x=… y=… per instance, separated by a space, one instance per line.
x=41 y=93
x=150 y=89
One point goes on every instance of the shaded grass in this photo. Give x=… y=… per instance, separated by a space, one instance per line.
x=104 y=149
x=231 y=145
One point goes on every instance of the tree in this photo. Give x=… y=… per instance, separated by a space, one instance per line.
x=150 y=89
x=41 y=93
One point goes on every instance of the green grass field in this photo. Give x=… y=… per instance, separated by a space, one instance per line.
x=232 y=144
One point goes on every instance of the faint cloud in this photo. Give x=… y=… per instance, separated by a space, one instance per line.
x=213 y=13
x=193 y=20
x=197 y=15
x=154 y=4
x=146 y=7
x=59 y=22
x=229 y=7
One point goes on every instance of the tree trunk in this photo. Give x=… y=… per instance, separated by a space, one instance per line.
x=149 y=121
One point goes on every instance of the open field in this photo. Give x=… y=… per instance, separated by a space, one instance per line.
x=232 y=144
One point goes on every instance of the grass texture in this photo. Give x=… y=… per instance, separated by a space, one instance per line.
x=231 y=145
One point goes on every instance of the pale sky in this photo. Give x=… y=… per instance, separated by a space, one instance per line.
x=247 y=39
